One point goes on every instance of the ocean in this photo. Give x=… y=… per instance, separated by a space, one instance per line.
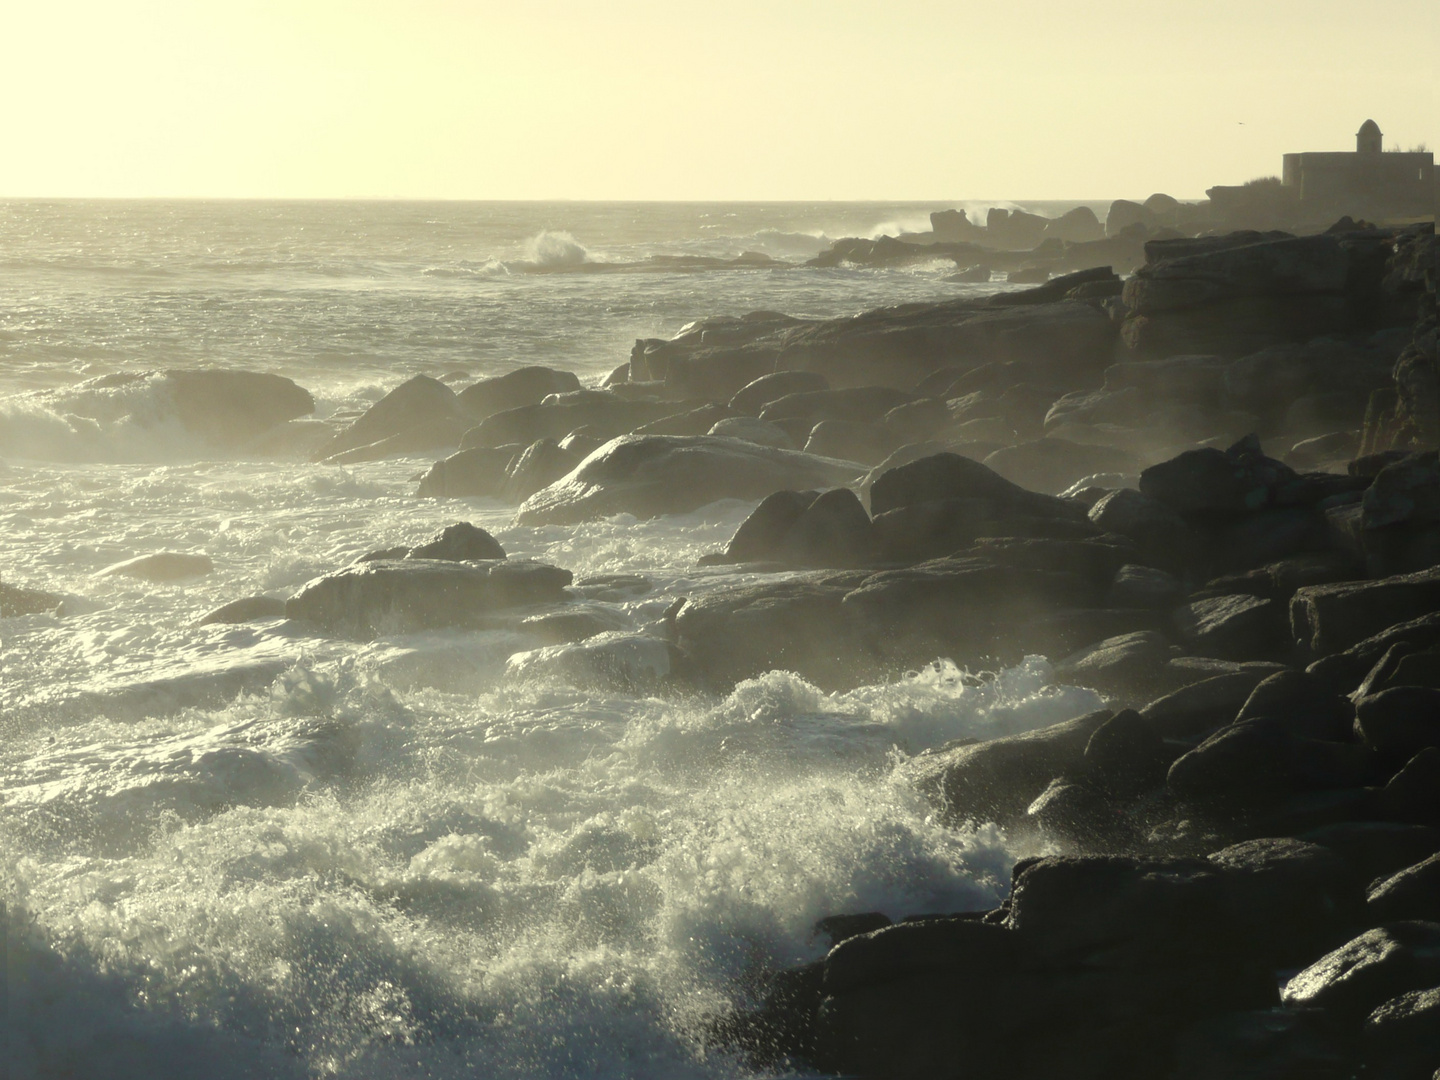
x=255 y=850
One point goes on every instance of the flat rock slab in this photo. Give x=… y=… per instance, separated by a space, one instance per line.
x=651 y=475
x=413 y=594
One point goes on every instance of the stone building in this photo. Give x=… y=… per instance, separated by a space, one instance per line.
x=1367 y=183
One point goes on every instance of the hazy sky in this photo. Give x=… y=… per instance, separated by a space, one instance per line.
x=736 y=99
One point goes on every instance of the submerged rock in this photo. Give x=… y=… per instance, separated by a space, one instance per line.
x=650 y=475
x=233 y=407
x=17 y=601
x=248 y=609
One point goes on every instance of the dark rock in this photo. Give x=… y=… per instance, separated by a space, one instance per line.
x=1400 y=722
x=477 y=472
x=1413 y=794
x=1078 y=814
x=1328 y=618
x=1402 y=1035
x=1402 y=665
x=384 y=553
x=602 y=413
x=614 y=588
x=1143 y=587
x=412 y=594
x=838 y=928
x=1403 y=491
x=929 y=530
x=997 y=780
x=696 y=421
x=754 y=396
x=1128 y=754
x=1302 y=704
x=833 y=531
x=1232 y=627
x=1094 y=560
x=541 y=464
x=422 y=412
x=916 y=421
x=1063 y=632
x=1370 y=970
x=1161 y=535
x=850 y=440
x=856 y=404
x=565 y=627
x=1270 y=1044
x=948 y=476
x=1051 y=465
x=760 y=535
x=650 y=475
x=795 y=625
x=750 y=429
x=249 y=609
x=1376 y=849
x=1240 y=480
x=1343 y=671
x=1412 y=893
x=523 y=386
x=17 y=601
x=459 y=542
x=1130 y=665
x=1258 y=760
x=231 y=407
x=1203 y=705
x=1267 y=537
x=1292 y=899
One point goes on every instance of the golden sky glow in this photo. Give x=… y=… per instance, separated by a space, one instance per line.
x=741 y=99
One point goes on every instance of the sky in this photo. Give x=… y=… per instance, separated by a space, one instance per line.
x=698 y=100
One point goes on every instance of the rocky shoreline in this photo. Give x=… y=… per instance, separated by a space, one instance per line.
x=1209 y=492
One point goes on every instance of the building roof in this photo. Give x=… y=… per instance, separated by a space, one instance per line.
x=1369 y=128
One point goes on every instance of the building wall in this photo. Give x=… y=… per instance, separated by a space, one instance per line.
x=1369 y=184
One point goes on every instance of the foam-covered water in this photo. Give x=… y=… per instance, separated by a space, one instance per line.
x=253 y=851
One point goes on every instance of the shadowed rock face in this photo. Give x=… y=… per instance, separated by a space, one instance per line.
x=650 y=475
x=413 y=594
x=230 y=407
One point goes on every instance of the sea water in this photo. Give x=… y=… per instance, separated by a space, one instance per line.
x=258 y=851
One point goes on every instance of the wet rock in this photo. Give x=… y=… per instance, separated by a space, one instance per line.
x=1269 y=1044
x=614 y=588
x=541 y=464
x=413 y=594
x=1240 y=480
x=1344 y=671
x=1413 y=794
x=1402 y=665
x=795 y=625
x=1376 y=849
x=1079 y=815
x=997 y=780
x=1400 y=722
x=477 y=472
x=838 y=928
x=602 y=413
x=696 y=421
x=1051 y=465
x=1066 y=630
x=1328 y=618
x=1127 y=754
x=833 y=531
x=233 y=407
x=419 y=414
x=856 y=404
x=1402 y=1035
x=1202 y=706
x=650 y=475
x=1257 y=760
x=161 y=567
x=629 y=663
x=1128 y=665
x=17 y=601
x=851 y=441
x=523 y=386
x=759 y=537
x=1161 y=535
x=248 y=609
x=916 y=421
x=1143 y=587
x=1232 y=627
x=1292 y=899
x=571 y=625
x=753 y=430
x=458 y=542
x=1302 y=704
x=754 y=396
x=1370 y=970
x=1412 y=893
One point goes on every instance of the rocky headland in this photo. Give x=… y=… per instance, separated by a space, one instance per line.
x=1208 y=491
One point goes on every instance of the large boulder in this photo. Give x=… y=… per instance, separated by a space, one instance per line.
x=650 y=475
x=419 y=414
x=233 y=407
x=1369 y=970
x=523 y=386
x=480 y=471
x=1326 y=619
x=602 y=413
x=17 y=601
x=396 y=596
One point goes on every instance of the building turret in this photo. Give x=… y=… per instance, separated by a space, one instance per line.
x=1368 y=139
